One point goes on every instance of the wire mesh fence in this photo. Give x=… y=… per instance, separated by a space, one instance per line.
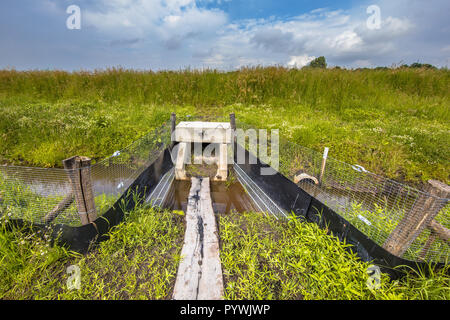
x=410 y=223
x=47 y=196
x=31 y=193
x=390 y=213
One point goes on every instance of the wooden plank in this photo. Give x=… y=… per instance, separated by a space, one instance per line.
x=211 y=281
x=199 y=274
x=420 y=216
x=189 y=270
x=436 y=230
x=59 y=208
x=72 y=166
x=203 y=132
x=222 y=170
x=180 y=172
x=440 y=231
x=173 y=121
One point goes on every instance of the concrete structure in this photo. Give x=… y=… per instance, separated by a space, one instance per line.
x=217 y=134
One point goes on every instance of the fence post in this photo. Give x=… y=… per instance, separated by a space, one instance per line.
x=233 y=137
x=419 y=217
x=79 y=172
x=173 y=122
x=233 y=121
x=324 y=162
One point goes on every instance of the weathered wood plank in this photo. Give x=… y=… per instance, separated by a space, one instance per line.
x=59 y=208
x=211 y=281
x=199 y=274
x=436 y=231
x=222 y=170
x=425 y=209
x=441 y=231
x=180 y=172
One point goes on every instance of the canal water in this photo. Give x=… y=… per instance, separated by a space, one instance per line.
x=226 y=197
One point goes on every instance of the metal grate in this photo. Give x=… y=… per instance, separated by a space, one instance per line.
x=259 y=197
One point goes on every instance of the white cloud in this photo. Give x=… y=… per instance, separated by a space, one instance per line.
x=299 y=61
x=162 y=19
x=176 y=33
x=337 y=35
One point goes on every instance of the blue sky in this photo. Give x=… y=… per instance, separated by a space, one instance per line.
x=257 y=9
x=222 y=34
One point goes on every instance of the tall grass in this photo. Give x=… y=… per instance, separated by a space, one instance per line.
x=393 y=122
x=332 y=88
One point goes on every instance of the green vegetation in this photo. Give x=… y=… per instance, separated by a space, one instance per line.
x=393 y=122
x=319 y=62
x=19 y=201
x=139 y=261
x=264 y=258
x=421 y=65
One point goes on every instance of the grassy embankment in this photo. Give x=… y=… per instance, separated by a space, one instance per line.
x=392 y=122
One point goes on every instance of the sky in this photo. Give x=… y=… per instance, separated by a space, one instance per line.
x=221 y=34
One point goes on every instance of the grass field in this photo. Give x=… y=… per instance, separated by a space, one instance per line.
x=393 y=122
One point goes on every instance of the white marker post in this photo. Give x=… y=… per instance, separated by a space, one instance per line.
x=324 y=161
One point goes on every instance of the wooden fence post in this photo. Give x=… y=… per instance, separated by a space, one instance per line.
x=233 y=121
x=233 y=134
x=421 y=216
x=79 y=173
x=173 y=123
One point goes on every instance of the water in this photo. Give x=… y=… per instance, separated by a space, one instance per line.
x=226 y=197
x=108 y=180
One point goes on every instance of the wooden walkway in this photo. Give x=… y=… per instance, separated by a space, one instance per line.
x=199 y=274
